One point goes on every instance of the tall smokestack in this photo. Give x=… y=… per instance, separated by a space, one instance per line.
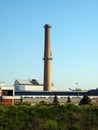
x=47 y=60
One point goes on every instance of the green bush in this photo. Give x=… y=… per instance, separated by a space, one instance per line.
x=49 y=117
x=50 y=125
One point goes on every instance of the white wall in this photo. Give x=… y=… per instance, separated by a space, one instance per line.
x=30 y=88
x=33 y=87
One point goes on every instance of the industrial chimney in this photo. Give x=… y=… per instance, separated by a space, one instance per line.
x=47 y=60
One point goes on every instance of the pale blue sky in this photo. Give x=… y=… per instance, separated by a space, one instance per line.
x=74 y=41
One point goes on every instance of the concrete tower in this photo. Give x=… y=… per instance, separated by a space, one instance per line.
x=47 y=60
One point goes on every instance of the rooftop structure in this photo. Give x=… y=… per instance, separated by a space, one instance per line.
x=28 y=85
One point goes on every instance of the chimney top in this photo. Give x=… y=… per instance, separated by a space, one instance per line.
x=47 y=26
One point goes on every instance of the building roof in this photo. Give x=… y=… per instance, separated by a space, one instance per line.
x=28 y=82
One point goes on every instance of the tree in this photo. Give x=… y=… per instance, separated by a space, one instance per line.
x=78 y=89
x=68 y=100
x=85 y=100
x=56 y=99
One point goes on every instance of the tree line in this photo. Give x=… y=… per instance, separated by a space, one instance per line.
x=49 y=117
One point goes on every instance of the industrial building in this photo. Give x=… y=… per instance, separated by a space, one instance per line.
x=28 y=85
x=10 y=96
x=33 y=91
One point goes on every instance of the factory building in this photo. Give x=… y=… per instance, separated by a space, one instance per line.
x=7 y=90
x=9 y=96
x=28 y=85
x=34 y=91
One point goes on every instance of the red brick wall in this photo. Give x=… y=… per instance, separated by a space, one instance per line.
x=10 y=101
